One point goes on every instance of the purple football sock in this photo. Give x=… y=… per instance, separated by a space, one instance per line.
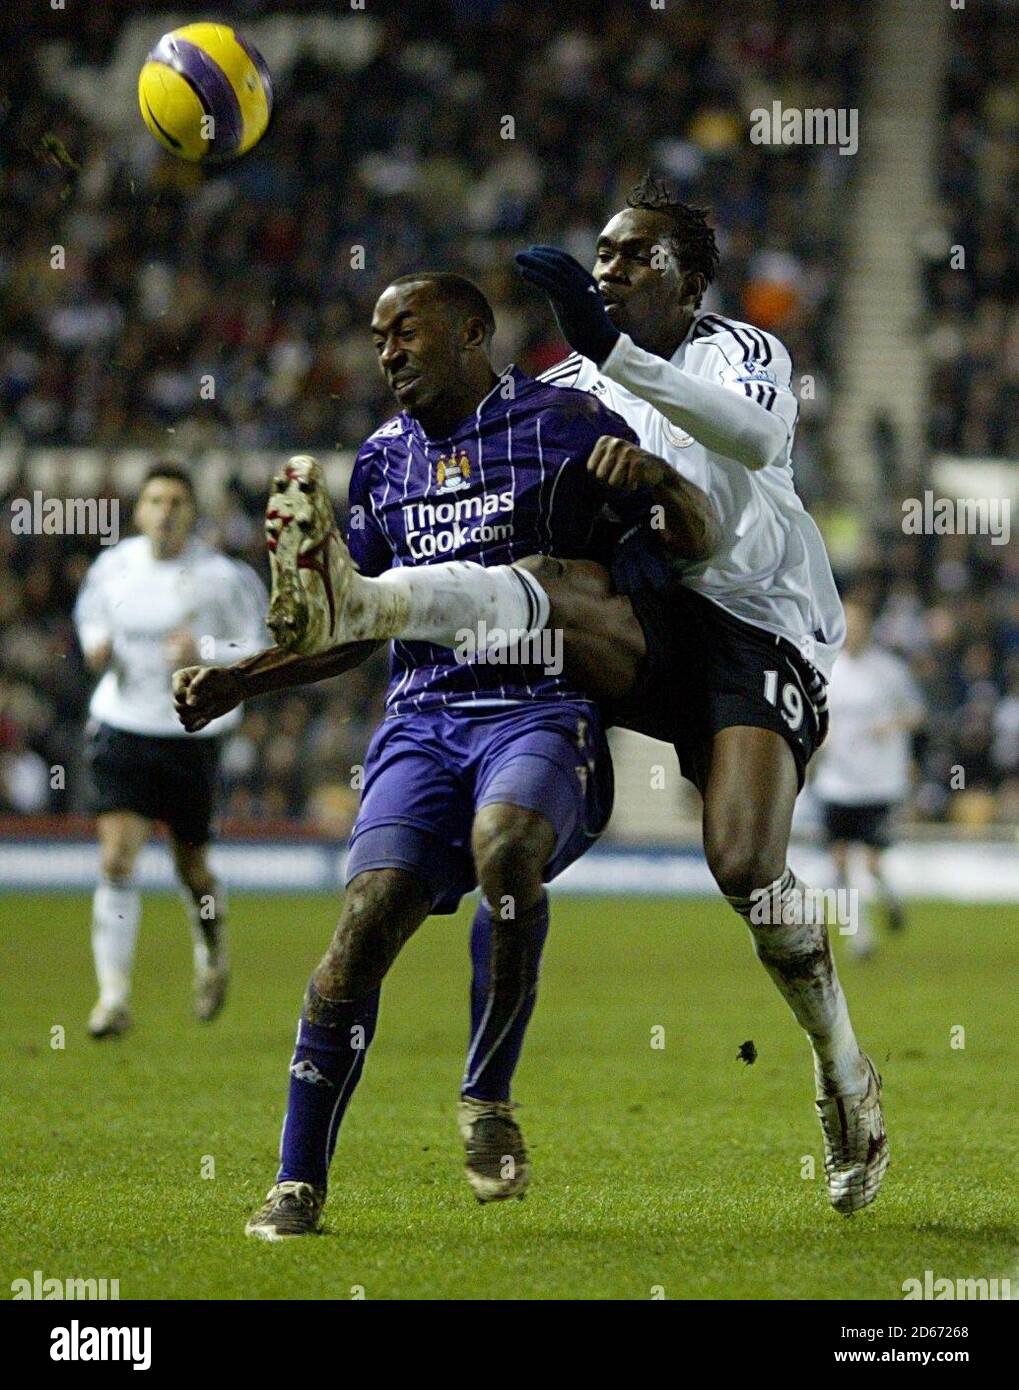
x=326 y=1066
x=506 y=956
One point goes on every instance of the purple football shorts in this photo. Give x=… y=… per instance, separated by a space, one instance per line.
x=426 y=776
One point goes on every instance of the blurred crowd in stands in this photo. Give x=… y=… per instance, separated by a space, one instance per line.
x=971 y=270
x=262 y=279
x=949 y=605
x=264 y=276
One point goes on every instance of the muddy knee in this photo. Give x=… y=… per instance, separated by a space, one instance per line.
x=511 y=847
x=381 y=910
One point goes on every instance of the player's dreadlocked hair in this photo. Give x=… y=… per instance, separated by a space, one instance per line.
x=692 y=239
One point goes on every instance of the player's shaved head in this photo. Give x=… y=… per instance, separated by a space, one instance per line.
x=459 y=295
x=432 y=331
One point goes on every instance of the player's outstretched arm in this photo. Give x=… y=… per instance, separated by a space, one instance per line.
x=689 y=526
x=725 y=421
x=204 y=693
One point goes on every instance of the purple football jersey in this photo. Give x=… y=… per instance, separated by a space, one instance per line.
x=511 y=480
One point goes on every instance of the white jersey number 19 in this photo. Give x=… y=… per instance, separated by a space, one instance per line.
x=792 y=700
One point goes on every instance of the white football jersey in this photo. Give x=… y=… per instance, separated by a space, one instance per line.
x=861 y=762
x=771 y=568
x=136 y=601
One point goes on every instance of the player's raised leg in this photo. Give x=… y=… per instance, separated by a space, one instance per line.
x=206 y=902
x=603 y=643
x=116 y=913
x=381 y=910
x=750 y=786
x=320 y=601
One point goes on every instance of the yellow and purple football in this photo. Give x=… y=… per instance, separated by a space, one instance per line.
x=205 y=93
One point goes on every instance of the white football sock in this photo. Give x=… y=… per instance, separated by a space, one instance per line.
x=441 y=603
x=794 y=950
x=862 y=941
x=116 y=912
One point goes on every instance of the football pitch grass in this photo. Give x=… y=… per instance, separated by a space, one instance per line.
x=673 y=1171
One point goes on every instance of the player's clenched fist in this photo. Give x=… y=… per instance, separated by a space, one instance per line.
x=624 y=466
x=203 y=693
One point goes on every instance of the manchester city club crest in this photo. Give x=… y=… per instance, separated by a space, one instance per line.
x=452 y=474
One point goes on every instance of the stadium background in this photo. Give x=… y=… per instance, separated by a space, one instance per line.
x=387 y=136
x=680 y=1169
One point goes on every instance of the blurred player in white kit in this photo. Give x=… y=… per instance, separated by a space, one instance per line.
x=863 y=767
x=152 y=603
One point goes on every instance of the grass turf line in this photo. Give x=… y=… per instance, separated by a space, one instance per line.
x=677 y=1168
